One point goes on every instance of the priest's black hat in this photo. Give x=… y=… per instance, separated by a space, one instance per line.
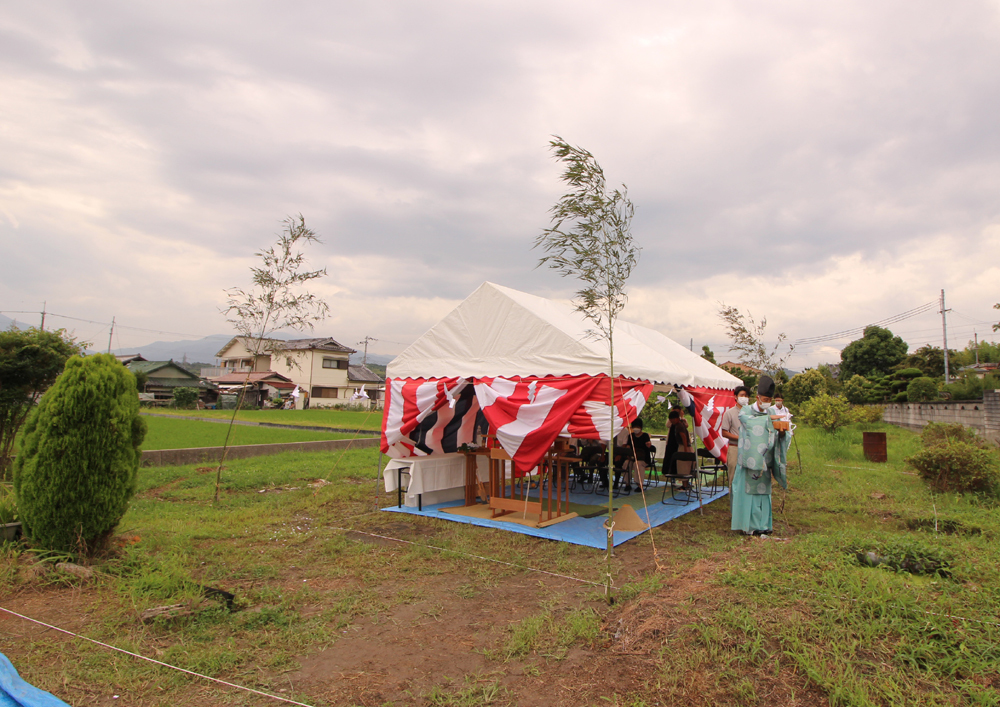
x=766 y=387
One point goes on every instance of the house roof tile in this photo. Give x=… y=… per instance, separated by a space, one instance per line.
x=363 y=374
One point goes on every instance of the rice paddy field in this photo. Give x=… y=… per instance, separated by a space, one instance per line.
x=182 y=433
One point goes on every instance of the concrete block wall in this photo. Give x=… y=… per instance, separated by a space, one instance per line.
x=982 y=415
x=991 y=416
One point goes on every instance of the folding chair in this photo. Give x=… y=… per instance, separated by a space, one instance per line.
x=691 y=478
x=659 y=449
x=709 y=466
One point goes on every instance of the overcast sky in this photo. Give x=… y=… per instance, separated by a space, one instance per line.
x=825 y=165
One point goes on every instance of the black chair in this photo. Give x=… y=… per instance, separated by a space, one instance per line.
x=651 y=471
x=709 y=466
x=621 y=486
x=589 y=468
x=671 y=476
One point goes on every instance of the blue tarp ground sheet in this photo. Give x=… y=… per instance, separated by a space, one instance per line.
x=579 y=531
x=15 y=692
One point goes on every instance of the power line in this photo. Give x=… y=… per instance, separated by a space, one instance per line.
x=860 y=330
x=104 y=324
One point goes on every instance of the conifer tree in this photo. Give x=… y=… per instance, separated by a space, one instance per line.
x=77 y=467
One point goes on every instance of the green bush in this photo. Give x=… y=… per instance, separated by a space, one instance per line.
x=958 y=466
x=867 y=414
x=921 y=389
x=942 y=433
x=804 y=386
x=858 y=390
x=826 y=411
x=908 y=373
x=185 y=398
x=79 y=458
x=8 y=509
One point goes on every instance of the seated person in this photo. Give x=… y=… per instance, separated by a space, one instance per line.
x=591 y=455
x=639 y=449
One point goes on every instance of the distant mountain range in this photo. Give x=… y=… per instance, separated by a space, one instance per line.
x=5 y=322
x=202 y=350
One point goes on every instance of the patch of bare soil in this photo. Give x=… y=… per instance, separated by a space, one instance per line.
x=451 y=644
x=439 y=640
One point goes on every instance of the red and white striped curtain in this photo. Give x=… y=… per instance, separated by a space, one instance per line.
x=427 y=416
x=707 y=407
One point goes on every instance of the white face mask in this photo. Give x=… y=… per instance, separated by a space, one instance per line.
x=742 y=400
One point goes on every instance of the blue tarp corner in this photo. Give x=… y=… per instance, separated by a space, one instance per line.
x=15 y=692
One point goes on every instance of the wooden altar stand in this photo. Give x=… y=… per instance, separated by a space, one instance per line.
x=473 y=486
x=554 y=468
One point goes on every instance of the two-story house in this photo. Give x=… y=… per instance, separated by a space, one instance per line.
x=319 y=366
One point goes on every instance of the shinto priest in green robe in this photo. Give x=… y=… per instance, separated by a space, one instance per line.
x=761 y=458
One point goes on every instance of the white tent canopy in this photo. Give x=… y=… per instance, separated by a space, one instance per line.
x=498 y=331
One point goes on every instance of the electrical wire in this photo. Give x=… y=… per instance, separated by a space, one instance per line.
x=860 y=330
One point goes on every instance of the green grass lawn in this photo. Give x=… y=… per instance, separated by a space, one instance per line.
x=345 y=419
x=715 y=618
x=167 y=433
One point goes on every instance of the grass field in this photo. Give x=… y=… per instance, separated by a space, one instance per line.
x=333 y=612
x=344 y=419
x=167 y=433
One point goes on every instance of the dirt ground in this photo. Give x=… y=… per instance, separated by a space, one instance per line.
x=448 y=643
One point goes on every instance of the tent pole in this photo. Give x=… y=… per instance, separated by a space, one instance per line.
x=694 y=446
x=378 y=471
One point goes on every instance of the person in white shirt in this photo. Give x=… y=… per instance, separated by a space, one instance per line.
x=731 y=426
x=779 y=408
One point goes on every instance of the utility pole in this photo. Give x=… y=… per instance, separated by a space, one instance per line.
x=43 y=316
x=976 y=335
x=364 y=343
x=111 y=333
x=944 y=330
x=691 y=345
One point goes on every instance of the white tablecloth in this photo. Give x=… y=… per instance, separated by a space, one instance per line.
x=433 y=473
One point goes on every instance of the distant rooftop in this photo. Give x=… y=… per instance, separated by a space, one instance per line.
x=363 y=374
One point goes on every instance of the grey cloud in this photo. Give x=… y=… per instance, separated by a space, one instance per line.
x=762 y=137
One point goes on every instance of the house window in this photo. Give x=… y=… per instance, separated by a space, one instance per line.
x=335 y=363
x=324 y=392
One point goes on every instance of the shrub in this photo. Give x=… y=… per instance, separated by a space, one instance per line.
x=867 y=413
x=185 y=398
x=942 y=433
x=858 y=390
x=968 y=387
x=8 y=509
x=958 y=466
x=77 y=467
x=826 y=411
x=804 y=386
x=920 y=389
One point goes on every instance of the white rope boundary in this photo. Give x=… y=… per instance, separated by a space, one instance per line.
x=157 y=662
x=467 y=554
